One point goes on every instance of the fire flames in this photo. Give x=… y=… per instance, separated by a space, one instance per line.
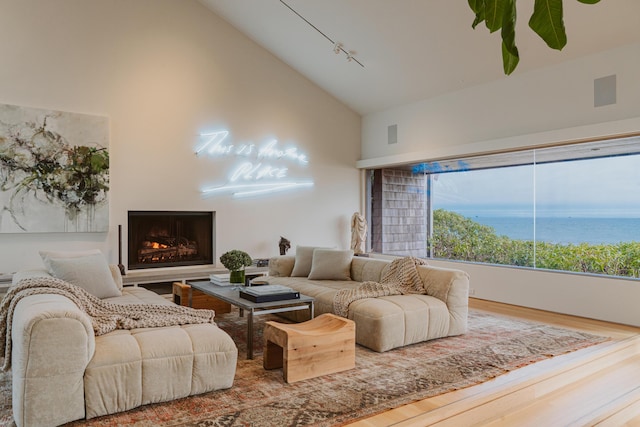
x=176 y=248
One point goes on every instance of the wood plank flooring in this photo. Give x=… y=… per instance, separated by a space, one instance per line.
x=596 y=386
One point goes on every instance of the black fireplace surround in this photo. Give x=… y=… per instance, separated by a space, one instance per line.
x=170 y=238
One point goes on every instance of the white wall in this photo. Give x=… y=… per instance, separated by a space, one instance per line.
x=527 y=109
x=595 y=297
x=546 y=106
x=163 y=71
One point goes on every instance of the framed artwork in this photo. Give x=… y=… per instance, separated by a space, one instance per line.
x=54 y=171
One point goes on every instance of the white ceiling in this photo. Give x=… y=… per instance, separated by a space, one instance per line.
x=414 y=49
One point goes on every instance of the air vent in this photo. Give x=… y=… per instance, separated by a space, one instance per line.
x=392 y=134
x=604 y=91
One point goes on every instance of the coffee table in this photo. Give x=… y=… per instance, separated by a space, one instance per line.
x=226 y=293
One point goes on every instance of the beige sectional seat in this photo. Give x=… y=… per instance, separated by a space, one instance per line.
x=62 y=372
x=388 y=322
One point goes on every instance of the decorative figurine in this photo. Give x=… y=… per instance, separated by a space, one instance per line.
x=284 y=245
x=358 y=233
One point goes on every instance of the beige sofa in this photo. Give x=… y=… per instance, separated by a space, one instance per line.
x=62 y=372
x=387 y=322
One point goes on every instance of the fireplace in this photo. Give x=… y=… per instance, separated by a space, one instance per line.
x=170 y=238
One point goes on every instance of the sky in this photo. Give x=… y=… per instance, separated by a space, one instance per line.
x=606 y=187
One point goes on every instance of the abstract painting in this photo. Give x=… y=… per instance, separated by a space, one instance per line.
x=54 y=171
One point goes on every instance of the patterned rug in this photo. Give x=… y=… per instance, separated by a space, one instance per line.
x=493 y=346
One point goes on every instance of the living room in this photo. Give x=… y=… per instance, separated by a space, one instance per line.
x=164 y=83
x=166 y=73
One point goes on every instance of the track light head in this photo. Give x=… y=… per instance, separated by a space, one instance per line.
x=337 y=47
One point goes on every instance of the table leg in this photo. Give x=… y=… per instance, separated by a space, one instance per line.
x=250 y=334
x=311 y=309
x=190 y=296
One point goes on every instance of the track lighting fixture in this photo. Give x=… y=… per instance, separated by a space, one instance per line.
x=337 y=47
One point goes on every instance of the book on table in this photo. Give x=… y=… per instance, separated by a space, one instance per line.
x=268 y=293
x=221 y=279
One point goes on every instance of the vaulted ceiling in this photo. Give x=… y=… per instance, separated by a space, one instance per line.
x=413 y=49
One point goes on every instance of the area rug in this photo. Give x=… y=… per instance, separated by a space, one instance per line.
x=494 y=345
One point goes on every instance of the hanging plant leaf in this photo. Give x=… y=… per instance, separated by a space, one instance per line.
x=547 y=22
x=478 y=8
x=509 y=61
x=510 y=55
x=494 y=13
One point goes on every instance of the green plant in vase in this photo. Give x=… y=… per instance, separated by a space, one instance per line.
x=235 y=261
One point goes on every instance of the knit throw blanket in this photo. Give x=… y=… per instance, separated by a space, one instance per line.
x=401 y=278
x=105 y=316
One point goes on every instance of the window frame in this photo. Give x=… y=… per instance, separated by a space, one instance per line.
x=565 y=152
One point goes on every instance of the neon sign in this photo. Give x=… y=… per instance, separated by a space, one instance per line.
x=255 y=173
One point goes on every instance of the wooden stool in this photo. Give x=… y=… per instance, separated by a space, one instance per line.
x=199 y=299
x=320 y=346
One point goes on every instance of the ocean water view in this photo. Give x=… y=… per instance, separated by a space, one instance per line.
x=565 y=230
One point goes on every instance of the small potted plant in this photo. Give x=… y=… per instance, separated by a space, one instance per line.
x=235 y=261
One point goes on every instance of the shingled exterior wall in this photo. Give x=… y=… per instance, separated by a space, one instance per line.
x=398 y=213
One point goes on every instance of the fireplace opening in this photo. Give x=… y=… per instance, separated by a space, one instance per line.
x=170 y=238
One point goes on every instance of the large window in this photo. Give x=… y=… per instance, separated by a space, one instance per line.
x=571 y=208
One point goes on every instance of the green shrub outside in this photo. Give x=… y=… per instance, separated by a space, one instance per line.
x=460 y=238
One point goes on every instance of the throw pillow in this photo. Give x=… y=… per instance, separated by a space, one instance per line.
x=117 y=276
x=90 y=272
x=46 y=255
x=331 y=264
x=302 y=264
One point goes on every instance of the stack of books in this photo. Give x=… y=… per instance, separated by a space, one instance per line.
x=223 y=279
x=269 y=293
x=220 y=279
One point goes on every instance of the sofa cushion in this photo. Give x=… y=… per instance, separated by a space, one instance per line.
x=365 y=269
x=331 y=264
x=304 y=258
x=52 y=343
x=47 y=255
x=28 y=274
x=90 y=272
x=397 y=320
x=281 y=266
x=117 y=276
x=322 y=290
x=41 y=272
x=147 y=365
x=138 y=295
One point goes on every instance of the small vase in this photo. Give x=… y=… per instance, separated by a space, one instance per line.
x=236 y=276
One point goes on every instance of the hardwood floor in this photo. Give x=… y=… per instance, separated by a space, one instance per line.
x=596 y=386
